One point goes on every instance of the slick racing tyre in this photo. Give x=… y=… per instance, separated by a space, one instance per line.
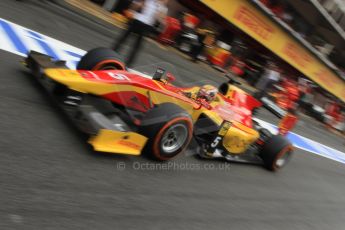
x=276 y=152
x=101 y=59
x=169 y=130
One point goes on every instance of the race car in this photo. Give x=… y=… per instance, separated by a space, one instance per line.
x=126 y=112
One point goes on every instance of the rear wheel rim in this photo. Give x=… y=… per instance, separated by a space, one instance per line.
x=174 y=138
x=282 y=160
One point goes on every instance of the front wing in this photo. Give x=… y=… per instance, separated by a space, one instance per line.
x=108 y=134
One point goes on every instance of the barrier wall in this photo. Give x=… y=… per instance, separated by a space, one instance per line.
x=260 y=27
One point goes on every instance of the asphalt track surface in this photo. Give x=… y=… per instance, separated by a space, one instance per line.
x=51 y=179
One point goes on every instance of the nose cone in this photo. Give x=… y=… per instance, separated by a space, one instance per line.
x=70 y=78
x=74 y=80
x=62 y=75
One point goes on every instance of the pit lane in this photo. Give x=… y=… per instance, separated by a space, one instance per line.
x=50 y=178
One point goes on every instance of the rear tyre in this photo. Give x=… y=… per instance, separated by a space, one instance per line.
x=101 y=59
x=276 y=152
x=169 y=130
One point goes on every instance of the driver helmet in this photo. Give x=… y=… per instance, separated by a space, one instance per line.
x=207 y=92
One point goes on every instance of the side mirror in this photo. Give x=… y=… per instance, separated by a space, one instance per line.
x=158 y=74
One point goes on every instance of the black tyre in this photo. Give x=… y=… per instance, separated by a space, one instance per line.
x=101 y=59
x=169 y=130
x=276 y=152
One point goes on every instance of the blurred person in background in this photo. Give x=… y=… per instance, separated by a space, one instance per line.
x=306 y=94
x=205 y=37
x=188 y=34
x=146 y=13
x=270 y=76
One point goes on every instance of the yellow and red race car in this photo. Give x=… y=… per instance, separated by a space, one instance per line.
x=127 y=113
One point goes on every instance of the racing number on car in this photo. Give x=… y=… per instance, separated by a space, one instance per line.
x=219 y=138
x=216 y=142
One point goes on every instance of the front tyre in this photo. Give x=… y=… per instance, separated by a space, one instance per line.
x=276 y=152
x=169 y=130
x=101 y=59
